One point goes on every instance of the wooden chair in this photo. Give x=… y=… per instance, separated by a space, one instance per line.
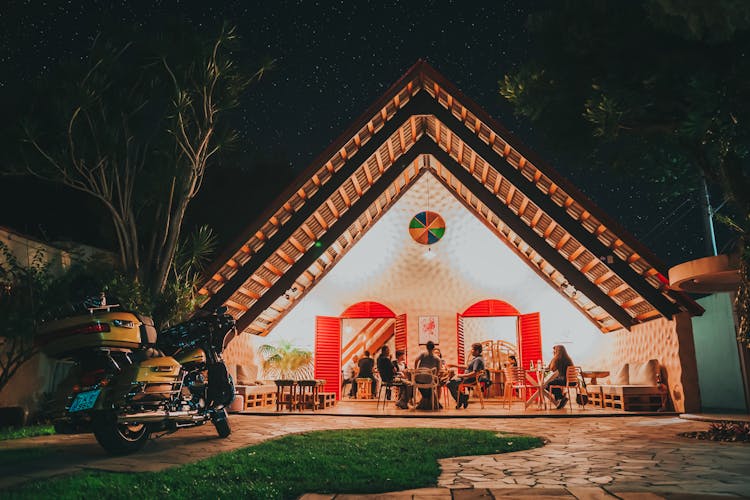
x=475 y=385
x=517 y=383
x=572 y=379
x=398 y=385
x=426 y=378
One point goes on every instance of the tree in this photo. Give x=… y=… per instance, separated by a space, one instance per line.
x=136 y=127
x=654 y=90
x=29 y=295
x=286 y=361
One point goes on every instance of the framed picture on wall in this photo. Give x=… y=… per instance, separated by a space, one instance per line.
x=428 y=330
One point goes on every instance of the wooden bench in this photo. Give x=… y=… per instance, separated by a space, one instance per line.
x=631 y=397
x=257 y=396
x=634 y=387
x=327 y=399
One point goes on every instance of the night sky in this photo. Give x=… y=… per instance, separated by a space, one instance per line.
x=333 y=59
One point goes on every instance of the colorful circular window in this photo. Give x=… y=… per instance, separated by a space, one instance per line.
x=427 y=227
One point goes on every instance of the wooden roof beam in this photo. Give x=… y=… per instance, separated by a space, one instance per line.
x=321 y=221
x=571 y=226
x=357 y=187
x=306 y=229
x=519 y=227
x=420 y=104
x=336 y=230
x=332 y=208
x=284 y=256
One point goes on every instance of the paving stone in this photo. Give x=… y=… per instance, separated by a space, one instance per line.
x=643 y=495
x=531 y=492
x=471 y=494
x=583 y=493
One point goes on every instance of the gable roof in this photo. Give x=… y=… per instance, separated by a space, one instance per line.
x=423 y=123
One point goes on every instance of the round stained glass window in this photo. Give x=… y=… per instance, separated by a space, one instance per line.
x=427 y=227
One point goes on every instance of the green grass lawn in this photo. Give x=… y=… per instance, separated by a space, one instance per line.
x=346 y=461
x=24 y=432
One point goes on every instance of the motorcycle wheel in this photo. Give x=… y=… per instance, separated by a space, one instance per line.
x=221 y=422
x=120 y=439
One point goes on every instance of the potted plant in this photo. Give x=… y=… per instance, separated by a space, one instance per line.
x=286 y=361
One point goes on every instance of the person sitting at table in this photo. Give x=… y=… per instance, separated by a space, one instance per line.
x=399 y=364
x=559 y=367
x=405 y=390
x=386 y=369
x=471 y=371
x=430 y=361
x=349 y=374
x=439 y=355
x=366 y=365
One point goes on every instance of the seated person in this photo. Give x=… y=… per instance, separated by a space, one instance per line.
x=559 y=365
x=430 y=361
x=439 y=355
x=389 y=373
x=385 y=369
x=348 y=374
x=366 y=365
x=471 y=371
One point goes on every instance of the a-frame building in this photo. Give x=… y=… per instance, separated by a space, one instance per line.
x=424 y=130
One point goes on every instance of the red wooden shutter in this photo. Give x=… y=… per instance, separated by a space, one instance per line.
x=529 y=339
x=401 y=336
x=328 y=353
x=460 y=338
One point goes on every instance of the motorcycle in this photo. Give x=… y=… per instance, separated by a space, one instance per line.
x=128 y=383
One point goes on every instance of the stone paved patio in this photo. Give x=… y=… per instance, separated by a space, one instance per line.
x=618 y=457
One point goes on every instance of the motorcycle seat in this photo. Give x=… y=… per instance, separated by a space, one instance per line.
x=148 y=331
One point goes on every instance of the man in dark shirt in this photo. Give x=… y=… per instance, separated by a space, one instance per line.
x=473 y=369
x=385 y=369
x=366 y=365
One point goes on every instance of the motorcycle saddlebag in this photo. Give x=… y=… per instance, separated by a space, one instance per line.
x=118 y=329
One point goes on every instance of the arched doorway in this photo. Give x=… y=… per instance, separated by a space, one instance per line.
x=372 y=325
x=528 y=329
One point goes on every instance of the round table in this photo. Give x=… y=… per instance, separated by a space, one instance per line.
x=594 y=374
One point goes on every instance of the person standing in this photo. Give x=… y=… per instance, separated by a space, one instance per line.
x=349 y=374
x=472 y=370
x=559 y=365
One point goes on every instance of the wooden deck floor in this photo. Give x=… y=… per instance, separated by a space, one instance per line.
x=492 y=408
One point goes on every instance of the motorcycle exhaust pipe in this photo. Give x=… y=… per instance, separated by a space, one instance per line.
x=160 y=416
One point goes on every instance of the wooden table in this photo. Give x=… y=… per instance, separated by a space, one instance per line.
x=289 y=388
x=542 y=394
x=594 y=374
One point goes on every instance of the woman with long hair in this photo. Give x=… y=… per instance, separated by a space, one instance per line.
x=559 y=364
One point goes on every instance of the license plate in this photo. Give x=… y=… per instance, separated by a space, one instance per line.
x=84 y=401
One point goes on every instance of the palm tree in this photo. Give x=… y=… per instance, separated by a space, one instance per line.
x=285 y=361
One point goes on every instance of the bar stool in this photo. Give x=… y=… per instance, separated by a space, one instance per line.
x=308 y=389
x=364 y=388
x=281 y=390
